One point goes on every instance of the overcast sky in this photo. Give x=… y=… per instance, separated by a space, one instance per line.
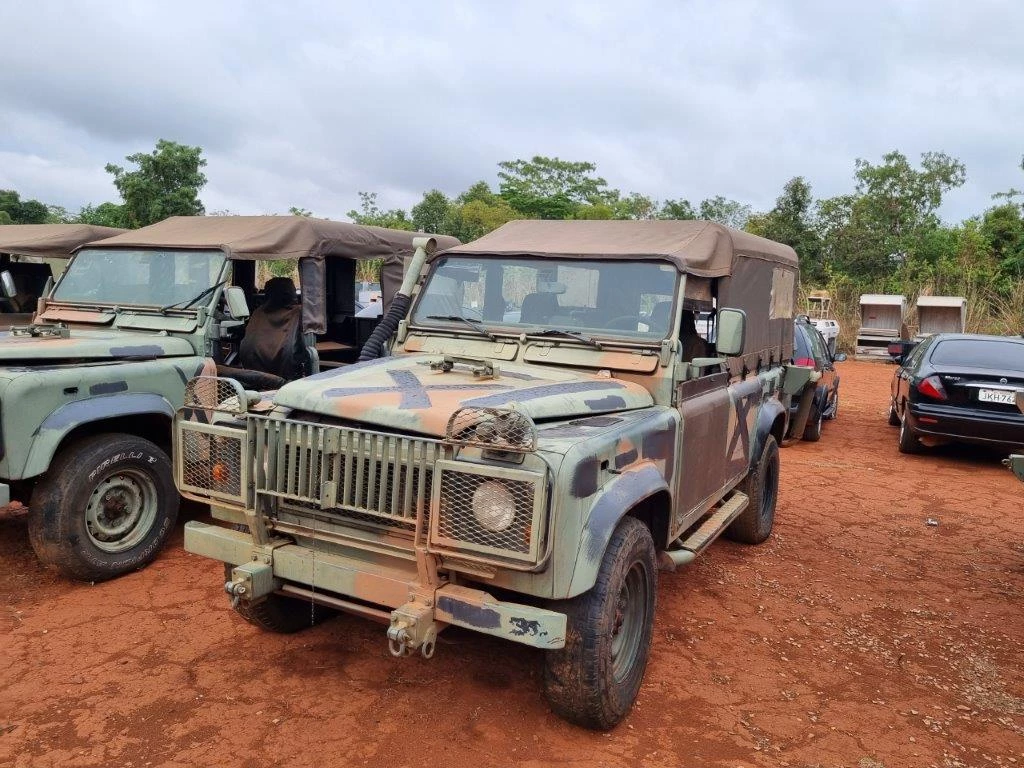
x=306 y=103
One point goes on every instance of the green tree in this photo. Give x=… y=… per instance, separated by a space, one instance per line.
x=296 y=210
x=477 y=217
x=1003 y=230
x=550 y=188
x=635 y=207
x=729 y=213
x=165 y=183
x=430 y=214
x=370 y=214
x=22 y=211
x=103 y=215
x=792 y=222
x=5 y=218
x=890 y=219
x=677 y=209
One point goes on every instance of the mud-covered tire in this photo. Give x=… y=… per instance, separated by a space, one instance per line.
x=908 y=441
x=815 y=421
x=894 y=417
x=761 y=485
x=106 y=506
x=594 y=680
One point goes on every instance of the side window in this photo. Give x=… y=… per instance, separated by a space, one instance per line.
x=820 y=350
x=916 y=354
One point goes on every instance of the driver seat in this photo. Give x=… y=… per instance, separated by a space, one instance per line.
x=538 y=308
x=273 y=336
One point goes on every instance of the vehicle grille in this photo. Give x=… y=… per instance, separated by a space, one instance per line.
x=371 y=476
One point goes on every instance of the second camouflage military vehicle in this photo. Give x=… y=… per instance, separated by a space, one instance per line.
x=547 y=430
x=89 y=387
x=30 y=256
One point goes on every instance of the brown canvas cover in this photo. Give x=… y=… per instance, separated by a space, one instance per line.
x=701 y=248
x=307 y=240
x=50 y=241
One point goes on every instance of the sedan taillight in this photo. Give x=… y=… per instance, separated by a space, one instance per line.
x=932 y=387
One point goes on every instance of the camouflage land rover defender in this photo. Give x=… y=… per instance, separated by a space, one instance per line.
x=548 y=430
x=89 y=387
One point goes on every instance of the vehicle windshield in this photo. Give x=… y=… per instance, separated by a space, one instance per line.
x=150 y=277
x=601 y=298
x=980 y=353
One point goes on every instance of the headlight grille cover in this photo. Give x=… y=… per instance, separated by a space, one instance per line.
x=499 y=429
x=456 y=527
x=209 y=461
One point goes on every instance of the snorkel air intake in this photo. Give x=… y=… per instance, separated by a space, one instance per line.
x=376 y=345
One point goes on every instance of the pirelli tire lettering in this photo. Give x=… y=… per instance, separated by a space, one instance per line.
x=106 y=507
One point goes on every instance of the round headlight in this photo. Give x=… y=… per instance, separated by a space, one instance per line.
x=493 y=506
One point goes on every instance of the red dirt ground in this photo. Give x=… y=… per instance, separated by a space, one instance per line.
x=856 y=636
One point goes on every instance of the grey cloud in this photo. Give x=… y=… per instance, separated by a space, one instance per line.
x=307 y=103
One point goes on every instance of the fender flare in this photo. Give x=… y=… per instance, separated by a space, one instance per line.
x=57 y=425
x=771 y=409
x=627 y=490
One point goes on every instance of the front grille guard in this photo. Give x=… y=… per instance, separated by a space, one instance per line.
x=369 y=479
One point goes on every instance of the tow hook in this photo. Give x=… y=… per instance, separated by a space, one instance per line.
x=412 y=627
x=236 y=592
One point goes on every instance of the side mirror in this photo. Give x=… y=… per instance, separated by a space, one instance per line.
x=234 y=298
x=732 y=332
x=840 y=357
x=7 y=283
x=898 y=350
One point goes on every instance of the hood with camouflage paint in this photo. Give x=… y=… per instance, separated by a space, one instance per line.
x=89 y=345
x=403 y=393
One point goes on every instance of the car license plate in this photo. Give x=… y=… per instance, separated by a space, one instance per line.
x=997 y=396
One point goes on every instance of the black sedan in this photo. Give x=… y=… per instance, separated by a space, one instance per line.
x=811 y=349
x=958 y=387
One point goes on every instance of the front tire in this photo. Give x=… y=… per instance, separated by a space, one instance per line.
x=755 y=523
x=105 y=507
x=594 y=680
x=812 y=431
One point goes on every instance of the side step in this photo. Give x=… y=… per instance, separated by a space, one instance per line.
x=706 y=532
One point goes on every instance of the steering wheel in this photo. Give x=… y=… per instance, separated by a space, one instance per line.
x=623 y=323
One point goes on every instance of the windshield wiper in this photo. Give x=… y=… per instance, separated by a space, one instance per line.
x=569 y=334
x=186 y=304
x=473 y=323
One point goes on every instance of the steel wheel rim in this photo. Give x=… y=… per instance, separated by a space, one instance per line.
x=121 y=510
x=630 y=621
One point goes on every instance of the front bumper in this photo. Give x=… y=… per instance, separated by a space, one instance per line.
x=389 y=582
x=967 y=424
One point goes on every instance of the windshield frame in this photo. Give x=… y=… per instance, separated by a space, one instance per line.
x=223 y=274
x=536 y=331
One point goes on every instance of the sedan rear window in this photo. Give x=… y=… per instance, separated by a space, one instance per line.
x=980 y=353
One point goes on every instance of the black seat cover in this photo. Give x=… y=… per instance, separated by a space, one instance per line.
x=538 y=308
x=273 y=336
